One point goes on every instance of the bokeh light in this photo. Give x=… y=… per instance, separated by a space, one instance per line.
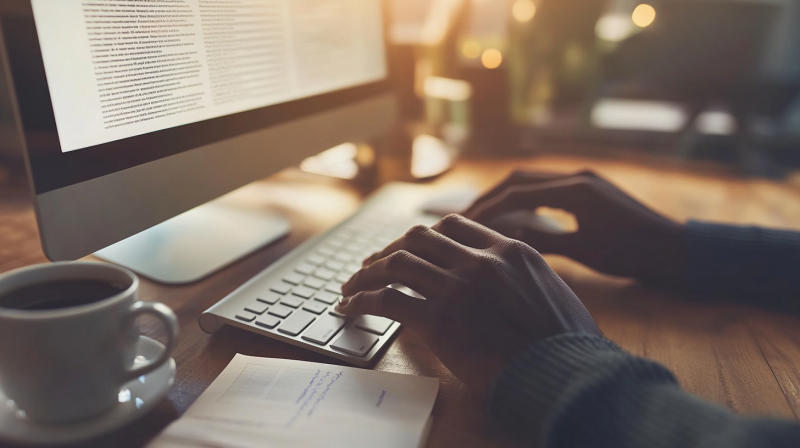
x=523 y=10
x=643 y=15
x=614 y=27
x=471 y=49
x=492 y=58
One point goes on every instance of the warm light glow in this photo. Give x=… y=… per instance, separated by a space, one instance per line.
x=430 y=157
x=492 y=58
x=471 y=49
x=523 y=10
x=338 y=161
x=447 y=89
x=613 y=27
x=440 y=19
x=643 y=15
x=638 y=115
x=716 y=122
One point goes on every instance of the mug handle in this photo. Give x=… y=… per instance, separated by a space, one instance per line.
x=167 y=316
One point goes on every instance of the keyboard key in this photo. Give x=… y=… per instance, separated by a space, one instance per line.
x=303 y=291
x=325 y=274
x=335 y=314
x=342 y=277
x=315 y=307
x=334 y=265
x=269 y=298
x=336 y=241
x=256 y=307
x=246 y=316
x=344 y=257
x=294 y=278
x=355 y=247
x=292 y=301
x=374 y=324
x=324 y=330
x=326 y=297
x=361 y=256
x=352 y=268
x=305 y=268
x=280 y=311
x=316 y=260
x=364 y=240
x=355 y=342
x=325 y=251
x=268 y=322
x=314 y=282
x=297 y=323
x=281 y=288
x=334 y=287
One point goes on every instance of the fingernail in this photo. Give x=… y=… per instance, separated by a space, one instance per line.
x=343 y=302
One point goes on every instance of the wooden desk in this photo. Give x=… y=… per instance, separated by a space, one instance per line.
x=742 y=358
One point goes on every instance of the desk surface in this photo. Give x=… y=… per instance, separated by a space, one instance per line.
x=745 y=359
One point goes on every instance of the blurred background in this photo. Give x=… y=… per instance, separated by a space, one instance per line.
x=713 y=80
x=691 y=79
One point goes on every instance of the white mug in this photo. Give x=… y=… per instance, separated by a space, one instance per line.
x=66 y=364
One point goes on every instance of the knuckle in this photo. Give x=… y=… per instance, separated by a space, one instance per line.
x=485 y=260
x=357 y=300
x=450 y=220
x=397 y=259
x=416 y=232
x=354 y=278
x=515 y=246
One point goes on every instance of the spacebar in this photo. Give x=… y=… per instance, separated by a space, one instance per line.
x=324 y=330
x=355 y=342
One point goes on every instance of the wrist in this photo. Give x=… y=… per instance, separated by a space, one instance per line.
x=674 y=254
x=543 y=387
x=663 y=255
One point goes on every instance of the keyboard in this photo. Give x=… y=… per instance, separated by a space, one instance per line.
x=293 y=299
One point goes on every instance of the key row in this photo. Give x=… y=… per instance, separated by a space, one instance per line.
x=357 y=340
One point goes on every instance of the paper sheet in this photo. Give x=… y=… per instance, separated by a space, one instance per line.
x=263 y=402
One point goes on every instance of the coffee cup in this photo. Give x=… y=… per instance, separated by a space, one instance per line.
x=68 y=337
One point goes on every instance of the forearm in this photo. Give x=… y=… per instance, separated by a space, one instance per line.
x=583 y=391
x=751 y=265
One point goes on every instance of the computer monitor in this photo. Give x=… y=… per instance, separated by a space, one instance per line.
x=135 y=112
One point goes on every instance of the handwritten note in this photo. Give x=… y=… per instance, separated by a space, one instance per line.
x=259 y=402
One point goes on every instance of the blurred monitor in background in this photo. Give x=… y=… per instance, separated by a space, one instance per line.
x=132 y=121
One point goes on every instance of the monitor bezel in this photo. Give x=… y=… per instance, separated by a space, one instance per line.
x=52 y=169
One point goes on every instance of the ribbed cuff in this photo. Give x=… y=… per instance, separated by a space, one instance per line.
x=543 y=383
x=756 y=266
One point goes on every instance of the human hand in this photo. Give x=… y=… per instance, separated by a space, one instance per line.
x=488 y=296
x=617 y=235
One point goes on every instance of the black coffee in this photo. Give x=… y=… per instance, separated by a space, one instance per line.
x=59 y=294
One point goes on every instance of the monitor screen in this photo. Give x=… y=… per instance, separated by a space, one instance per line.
x=103 y=86
x=122 y=68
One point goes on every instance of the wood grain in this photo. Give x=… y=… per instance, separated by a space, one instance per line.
x=745 y=359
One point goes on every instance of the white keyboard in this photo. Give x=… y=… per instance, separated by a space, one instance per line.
x=293 y=299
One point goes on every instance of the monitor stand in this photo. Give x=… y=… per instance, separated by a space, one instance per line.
x=197 y=243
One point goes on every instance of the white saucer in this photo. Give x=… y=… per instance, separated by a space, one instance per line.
x=135 y=399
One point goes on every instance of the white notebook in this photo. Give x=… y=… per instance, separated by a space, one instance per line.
x=264 y=402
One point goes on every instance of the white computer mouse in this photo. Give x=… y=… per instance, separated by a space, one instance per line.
x=456 y=200
x=528 y=219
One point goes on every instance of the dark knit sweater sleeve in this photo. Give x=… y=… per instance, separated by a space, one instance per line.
x=752 y=265
x=580 y=391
